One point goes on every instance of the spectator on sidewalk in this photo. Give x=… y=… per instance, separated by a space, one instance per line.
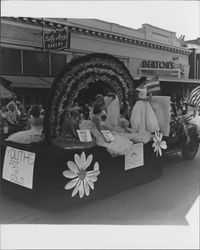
x=12 y=118
x=15 y=102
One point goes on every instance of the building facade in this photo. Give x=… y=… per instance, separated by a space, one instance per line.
x=194 y=58
x=34 y=50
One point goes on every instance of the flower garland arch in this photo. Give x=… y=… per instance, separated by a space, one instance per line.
x=79 y=74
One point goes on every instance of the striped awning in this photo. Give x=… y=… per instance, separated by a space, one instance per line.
x=5 y=93
x=194 y=98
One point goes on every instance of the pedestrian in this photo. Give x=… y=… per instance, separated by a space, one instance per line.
x=4 y=124
x=23 y=117
x=12 y=118
x=3 y=112
x=41 y=111
x=15 y=102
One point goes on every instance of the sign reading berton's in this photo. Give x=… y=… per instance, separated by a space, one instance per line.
x=18 y=167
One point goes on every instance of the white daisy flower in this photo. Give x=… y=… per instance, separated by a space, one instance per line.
x=82 y=180
x=158 y=144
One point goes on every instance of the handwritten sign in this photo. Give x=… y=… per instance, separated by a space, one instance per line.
x=56 y=39
x=84 y=135
x=108 y=135
x=18 y=167
x=135 y=157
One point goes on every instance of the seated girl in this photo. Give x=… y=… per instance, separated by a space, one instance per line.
x=68 y=137
x=119 y=146
x=34 y=134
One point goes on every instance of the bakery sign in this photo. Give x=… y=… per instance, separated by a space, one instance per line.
x=18 y=167
x=56 y=39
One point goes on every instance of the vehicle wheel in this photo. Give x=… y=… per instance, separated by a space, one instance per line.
x=190 y=150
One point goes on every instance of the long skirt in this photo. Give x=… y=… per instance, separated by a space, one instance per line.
x=143 y=118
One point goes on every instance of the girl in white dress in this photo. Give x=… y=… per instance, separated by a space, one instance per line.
x=120 y=145
x=143 y=117
x=113 y=110
x=34 y=134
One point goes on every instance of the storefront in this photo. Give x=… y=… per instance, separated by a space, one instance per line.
x=34 y=50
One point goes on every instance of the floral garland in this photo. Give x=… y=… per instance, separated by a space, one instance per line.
x=83 y=82
x=80 y=76
x=80 y=73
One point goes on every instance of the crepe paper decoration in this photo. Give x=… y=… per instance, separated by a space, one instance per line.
x=80 y=73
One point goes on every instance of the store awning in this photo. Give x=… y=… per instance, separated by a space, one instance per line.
x=189 y=81
x=5 y=93
x=178 y=80
x=28 y=81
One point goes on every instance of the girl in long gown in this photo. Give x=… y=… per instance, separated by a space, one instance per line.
x=112 y=109
x=118 y=124
x=34 y=134
x=143 y=117
x=124 y=130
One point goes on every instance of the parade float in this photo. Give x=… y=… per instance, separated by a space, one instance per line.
x=60 y=172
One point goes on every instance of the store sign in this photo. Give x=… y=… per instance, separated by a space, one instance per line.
x=56 y=40
x=135 y=157
x=157 y=64
x=18 y=167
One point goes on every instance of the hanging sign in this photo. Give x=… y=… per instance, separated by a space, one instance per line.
x=56 y=40
x=135 y=157
x=18 y=167
x=84 y=135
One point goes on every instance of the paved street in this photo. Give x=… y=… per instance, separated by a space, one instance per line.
x=165 y=201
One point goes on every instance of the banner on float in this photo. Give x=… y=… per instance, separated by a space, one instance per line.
x=84 y=135
x=135 y=157
x=18 y=167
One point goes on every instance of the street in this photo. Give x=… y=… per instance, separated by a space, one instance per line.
x=165 y=201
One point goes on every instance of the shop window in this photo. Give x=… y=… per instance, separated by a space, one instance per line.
x=36 y=63
x=58 y=61
x=10 y=61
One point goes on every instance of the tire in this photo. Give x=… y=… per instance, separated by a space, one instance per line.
x=190 y=150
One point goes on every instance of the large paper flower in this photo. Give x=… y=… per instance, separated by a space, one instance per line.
x=158 y=144
x=82 y=180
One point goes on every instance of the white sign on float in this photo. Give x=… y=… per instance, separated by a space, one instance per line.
x=18 y=167
x=135 y=157
x=108 y=135
x=84 y=135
